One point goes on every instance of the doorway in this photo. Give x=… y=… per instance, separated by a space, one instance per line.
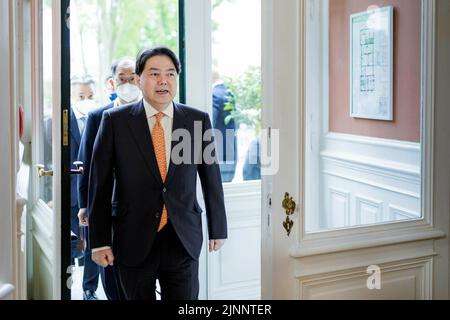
x=233 y=100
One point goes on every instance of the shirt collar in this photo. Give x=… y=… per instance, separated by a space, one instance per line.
x=78 y=114
x=117 y=103
x=151 y=111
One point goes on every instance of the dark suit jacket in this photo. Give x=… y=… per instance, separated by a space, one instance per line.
x=75 y=138
x=252 y=164
x=124 y=144
x=85 y=153
x=221 y=95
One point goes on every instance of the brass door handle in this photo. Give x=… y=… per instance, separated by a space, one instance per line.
x=289 y=206
x=42 y=172
x=79 y=170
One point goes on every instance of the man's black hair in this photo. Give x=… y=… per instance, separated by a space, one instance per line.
x=148 y=53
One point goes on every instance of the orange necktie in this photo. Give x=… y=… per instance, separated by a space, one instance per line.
x=160 y=151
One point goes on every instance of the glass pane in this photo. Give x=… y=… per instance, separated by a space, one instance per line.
x=104 y=31
x=46 y=183
x=363 y=98
x=236 y=115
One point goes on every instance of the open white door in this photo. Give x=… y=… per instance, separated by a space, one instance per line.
x=45 y=198
x=8 y=275
x=371 y=215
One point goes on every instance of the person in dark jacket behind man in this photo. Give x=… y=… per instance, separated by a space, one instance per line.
x=125 y=86
x=227 y=148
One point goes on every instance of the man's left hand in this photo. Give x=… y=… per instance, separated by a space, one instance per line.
x=215 y=245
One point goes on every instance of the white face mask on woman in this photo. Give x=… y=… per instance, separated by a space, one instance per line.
x=128 y=92
x=85 y=106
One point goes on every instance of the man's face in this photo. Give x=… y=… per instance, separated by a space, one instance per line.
x=159 y=82
x=125 y=74
x=81 y=92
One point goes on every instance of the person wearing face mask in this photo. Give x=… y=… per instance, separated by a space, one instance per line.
x=82 y=94
x=124 y=85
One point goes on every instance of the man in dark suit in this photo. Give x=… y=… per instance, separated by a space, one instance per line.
x=82 y=92
x=123 y=75
x=227 y=148
x=158 y=232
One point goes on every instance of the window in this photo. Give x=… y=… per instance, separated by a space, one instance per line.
x=361 y=171
x=236 y=77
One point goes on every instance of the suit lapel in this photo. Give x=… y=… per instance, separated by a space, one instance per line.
x=74 y=130
x=178 y=123
x=141 y=133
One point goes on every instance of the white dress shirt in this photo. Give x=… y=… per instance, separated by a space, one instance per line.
x=81 y=119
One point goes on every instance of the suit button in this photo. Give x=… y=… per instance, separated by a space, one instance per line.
x=164 y=190
x=157 y=215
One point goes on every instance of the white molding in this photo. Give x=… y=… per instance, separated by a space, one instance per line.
x=376 y=204
x=41 y=220
x=337 y=261
x=247 y=287
x=343 y=194
x=372 y=184
x=365 y=239
x=428 y=45
x=374 y=166
x=400 y=158
x=242 y=191
x=396 y=210
x=248 y=187
x=422 y=264
x=243 y=206
x=374 y=141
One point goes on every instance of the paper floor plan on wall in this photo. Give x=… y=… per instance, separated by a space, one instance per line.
x=371 y=64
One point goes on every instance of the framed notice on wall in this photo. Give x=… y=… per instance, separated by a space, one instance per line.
x=371 y=64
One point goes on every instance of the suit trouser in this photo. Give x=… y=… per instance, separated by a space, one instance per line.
x=170 y=263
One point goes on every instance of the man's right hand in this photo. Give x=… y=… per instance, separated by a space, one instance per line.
x=82 y=217
x=103 y=258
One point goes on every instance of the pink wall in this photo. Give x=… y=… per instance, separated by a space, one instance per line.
x=407 y=24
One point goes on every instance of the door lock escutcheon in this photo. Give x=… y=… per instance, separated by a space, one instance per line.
x=289 y=206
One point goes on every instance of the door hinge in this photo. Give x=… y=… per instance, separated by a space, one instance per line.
x=65 y=128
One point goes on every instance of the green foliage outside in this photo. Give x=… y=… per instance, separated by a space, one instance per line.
x=245 y=105
x=123 y=27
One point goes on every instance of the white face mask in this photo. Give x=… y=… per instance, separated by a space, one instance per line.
x=85 y=106
x=128 y=92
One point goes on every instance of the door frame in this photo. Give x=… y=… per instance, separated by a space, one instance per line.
x=8 y=145
x=63 y=140
x=45 y=223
